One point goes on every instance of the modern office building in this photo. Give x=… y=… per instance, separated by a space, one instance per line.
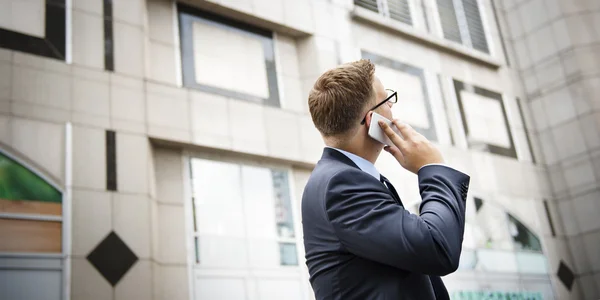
x=158 y=149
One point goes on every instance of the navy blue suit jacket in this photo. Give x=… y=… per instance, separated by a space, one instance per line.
x=362 y=244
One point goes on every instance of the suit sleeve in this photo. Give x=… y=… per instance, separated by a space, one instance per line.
x=370 y=224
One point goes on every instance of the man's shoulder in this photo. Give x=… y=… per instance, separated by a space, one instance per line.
x=325 y=170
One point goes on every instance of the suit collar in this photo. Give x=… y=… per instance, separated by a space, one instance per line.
x=363 y=164
x=332 y=154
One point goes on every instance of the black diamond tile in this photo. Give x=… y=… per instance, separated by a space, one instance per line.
x=565 y=275
x=112 y=258
x=478 y=204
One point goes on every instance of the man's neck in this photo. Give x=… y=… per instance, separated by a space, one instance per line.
x=366 y=149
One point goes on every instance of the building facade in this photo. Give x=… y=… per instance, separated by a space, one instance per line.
x=158 y=149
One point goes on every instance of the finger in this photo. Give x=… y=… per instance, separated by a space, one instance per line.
x=406 y=130
x=394 y=151
x=396 y=139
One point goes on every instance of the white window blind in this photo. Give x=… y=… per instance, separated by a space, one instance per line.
x=461 y=22
x=398 y=10
x=368 y=4
x=475 y=25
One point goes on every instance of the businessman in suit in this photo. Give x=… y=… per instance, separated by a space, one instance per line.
x=360 y=241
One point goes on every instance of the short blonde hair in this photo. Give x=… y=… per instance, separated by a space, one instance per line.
x=340 y=95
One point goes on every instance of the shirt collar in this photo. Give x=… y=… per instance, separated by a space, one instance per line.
x=365 y=165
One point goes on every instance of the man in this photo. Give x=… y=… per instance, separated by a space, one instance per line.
x=360 y=241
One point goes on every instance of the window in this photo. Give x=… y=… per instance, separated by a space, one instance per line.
x=496 y=241
x=461 y=22
x=413 y=105
x=31 y=230
x=398 y=10
x=484 y=119
x=242 y=216
x=523 y=238
x=35 y=27
x=30 y=208
x=212 y=60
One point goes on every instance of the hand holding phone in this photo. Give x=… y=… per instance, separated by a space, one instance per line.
x=377 y=133
x=411 y=149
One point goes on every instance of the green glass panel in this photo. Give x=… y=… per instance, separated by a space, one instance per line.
x=19 y=183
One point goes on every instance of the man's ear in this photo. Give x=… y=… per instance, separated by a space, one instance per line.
x=368 y=118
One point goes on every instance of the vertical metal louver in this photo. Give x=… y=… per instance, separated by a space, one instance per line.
x=475 y=25
x=368 y=4
x=399 y=10
x=448 y=19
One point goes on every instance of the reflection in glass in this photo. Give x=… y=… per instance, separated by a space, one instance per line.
x=23 y=192
x=524 y=239
x=243 y=215
x=491 y=231
x=494 y=240
x=533 y=263
x=283 y=206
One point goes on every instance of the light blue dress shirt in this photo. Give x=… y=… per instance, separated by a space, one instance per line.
x=369 y=168
x=365 y=165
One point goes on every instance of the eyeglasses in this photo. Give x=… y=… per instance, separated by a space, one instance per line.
x=392 y=98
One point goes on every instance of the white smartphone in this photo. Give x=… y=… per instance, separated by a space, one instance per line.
x=377 y=133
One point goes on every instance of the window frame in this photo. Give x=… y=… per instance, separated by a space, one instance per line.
x=462 y=26
x=189 y=198
x=55 y=261
x=55 y=42
x=460 y=86
x=431 y=132
x=187 y=15
x=293 y=272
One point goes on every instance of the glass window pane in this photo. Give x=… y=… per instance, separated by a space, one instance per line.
x=523 y=237
x=288 y=254
x=222 y=65
x=496 y=261
x=263 y=253
x=491 y=230
x=534 y=263
x=218 y=251
x=283 y=205
x=243 y=215
x=217 y=198
x=22 y=191
x=485 y=119
x=468 y=260
x=257 y=188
